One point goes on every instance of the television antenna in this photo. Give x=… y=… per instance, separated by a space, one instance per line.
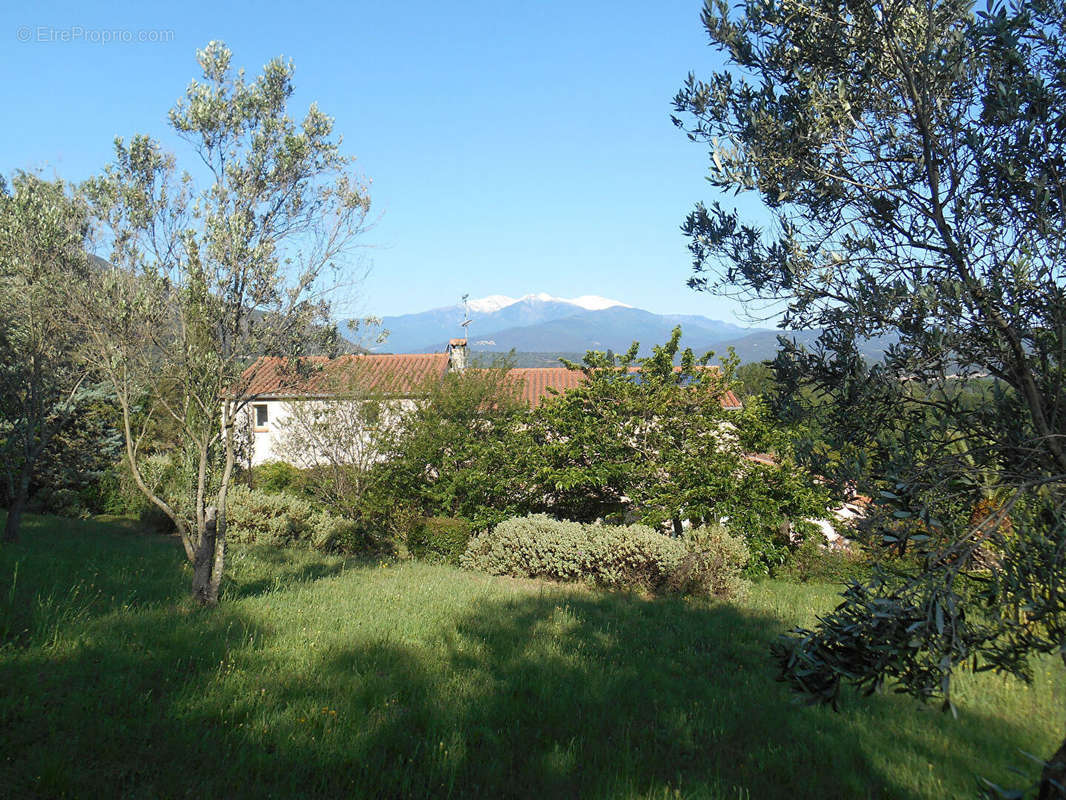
x=466 y=314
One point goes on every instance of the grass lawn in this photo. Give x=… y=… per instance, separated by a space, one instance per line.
x=323 y=678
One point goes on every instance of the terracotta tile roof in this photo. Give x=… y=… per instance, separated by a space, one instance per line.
x=537 y=383
x=387 y=374
x=731 y=401
x=396 y=375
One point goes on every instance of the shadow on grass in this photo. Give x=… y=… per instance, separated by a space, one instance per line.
x=609 y=696
x=101 y=714
x=253 y=570
x=68 y=571
x=550 y=695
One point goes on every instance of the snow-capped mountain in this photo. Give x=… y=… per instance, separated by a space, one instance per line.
x=543 y=324
x=589 y=302
x=539 y=323
x=492 y=303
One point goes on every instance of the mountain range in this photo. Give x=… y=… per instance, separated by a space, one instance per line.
x=541 y=323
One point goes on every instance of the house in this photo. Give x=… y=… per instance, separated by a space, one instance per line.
x=273 y=387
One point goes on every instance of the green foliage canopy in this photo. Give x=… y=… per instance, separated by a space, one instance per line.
x=43 y=264
x=651 y=438
x=206 y=281
x=910 y=156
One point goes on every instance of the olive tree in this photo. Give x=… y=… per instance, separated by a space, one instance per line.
x=204 y=281
x=910 y=159
x=43 y=261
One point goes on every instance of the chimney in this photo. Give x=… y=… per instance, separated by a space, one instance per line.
x=456 y=355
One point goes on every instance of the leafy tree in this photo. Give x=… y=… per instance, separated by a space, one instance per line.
x=644 y=437
x=75 y=473
x=452 y=454
x=674 y=443
x=910 y=159
x=755 y=379
x=572 y=454
x=43 y=261
x=205 y=282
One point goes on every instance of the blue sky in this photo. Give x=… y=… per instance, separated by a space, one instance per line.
x=513 y=147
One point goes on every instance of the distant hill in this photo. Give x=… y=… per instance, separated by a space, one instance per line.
x=485 y=359
x=761 y=345
x=607 y=329
x=544 y=324
x=540 y=328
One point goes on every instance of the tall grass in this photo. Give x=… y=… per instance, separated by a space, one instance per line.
x=319 y=677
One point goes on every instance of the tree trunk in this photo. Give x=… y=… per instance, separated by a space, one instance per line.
x=18 y=504
x=218 y=514
x=203 y=561
x=1053 y=780
x=219 y=562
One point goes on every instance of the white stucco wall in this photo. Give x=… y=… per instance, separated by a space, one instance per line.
x=266 y=443
x=262 y=449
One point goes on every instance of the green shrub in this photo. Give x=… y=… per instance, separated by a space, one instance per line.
x=121 y=495
x=386 y=518
x=161 y=473
x=275 y=477
x=117 y=493
x=256 y=517
x=814 y=562
x=714 y=565
x=62 y=502
x=108 y=497
x=339 y=535
x=634 y=556
x=538 y=546
x=440 y=538
x=152 y=518
x=535 y=546
x=767 y=537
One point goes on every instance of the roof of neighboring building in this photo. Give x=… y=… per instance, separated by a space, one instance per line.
x=349 y=374
x=731 y=401
x=539 y=381
x=404 y=374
